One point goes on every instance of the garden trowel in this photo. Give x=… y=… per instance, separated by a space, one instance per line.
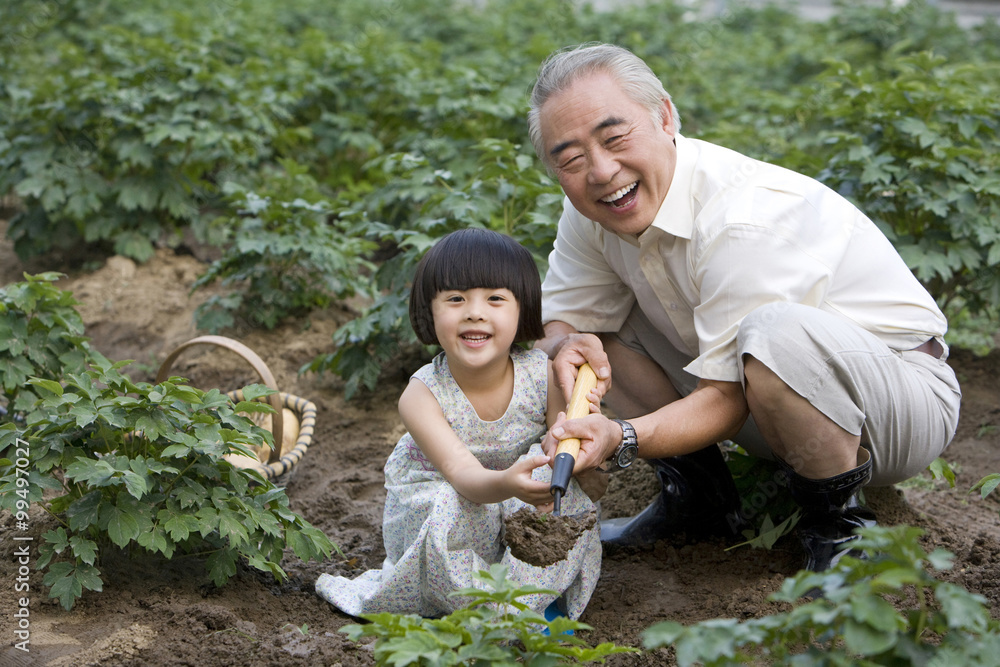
x=579 y=406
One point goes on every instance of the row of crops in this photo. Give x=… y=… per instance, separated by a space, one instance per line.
x=324 y=145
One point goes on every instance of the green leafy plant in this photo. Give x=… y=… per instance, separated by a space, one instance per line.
x=885 y=610
x=287 y=253
x=494 y=628
x=764 y=499
x=986 y=485
x=767 y=505
x=41 y=335
x=119 y=130
x=940 y=469
x=504 y=189
x=914 y=141
x=140 y=467
x=301 y=629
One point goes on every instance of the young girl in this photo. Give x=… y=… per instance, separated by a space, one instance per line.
x=472 y=415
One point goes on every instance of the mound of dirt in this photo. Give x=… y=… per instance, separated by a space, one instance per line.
x=543 y=539
x=165 y=613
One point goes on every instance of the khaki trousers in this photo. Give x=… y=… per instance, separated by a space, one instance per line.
x=903 y=404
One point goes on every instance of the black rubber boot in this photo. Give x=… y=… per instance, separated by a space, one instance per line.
x=830 y=512
x=698 y=497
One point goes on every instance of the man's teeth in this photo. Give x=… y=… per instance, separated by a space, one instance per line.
x=619 y=194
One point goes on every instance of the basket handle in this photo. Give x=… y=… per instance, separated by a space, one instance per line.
x=263 y=372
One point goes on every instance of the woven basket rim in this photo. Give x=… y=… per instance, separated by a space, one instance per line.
x=305 y=410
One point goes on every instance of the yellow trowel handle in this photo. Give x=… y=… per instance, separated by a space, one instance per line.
x=579 y=406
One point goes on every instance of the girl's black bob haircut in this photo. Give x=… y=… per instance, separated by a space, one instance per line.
x=473 y=258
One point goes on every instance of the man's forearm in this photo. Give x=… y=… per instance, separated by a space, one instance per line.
x=713 y=412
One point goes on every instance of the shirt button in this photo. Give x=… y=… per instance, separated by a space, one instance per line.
x=674 y=306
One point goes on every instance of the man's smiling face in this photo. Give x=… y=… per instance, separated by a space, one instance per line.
x=612 y=159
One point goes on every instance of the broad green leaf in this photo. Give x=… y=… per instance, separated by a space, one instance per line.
x=875 y=612
x=85 y=414
x=180 y=526
x=84 y=511
x=123 y=526
x=940 y=469
x=221 y=565
x=149 y=427
x=255 y=391
x=987 y=484
x=50 y=385
x=231 y=528
x=155 y=540
x=84 y=549
x=964 y=610
x=64 y=585
x=89 y=577
x=57 y=539
x=300 y=543
x=919 y=129
x=176 y=451
x=137 y=485
x=411 y=649
x=863 y=639
x=95 y=473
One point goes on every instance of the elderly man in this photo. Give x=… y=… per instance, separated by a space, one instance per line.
x=731 y=299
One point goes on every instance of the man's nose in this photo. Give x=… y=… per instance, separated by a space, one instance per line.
x=603 y=168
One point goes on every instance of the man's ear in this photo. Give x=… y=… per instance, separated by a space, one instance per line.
x=668 y=124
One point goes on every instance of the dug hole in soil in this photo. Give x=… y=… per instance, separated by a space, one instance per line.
x=162 y=613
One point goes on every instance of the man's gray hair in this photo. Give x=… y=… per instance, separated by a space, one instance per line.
x=564 y=67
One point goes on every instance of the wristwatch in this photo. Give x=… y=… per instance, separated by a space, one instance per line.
x=627 y=450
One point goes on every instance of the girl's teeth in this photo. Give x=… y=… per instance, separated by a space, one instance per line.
x=618 y=195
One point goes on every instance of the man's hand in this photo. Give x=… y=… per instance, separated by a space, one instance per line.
x=599 y=438
x=575 y=350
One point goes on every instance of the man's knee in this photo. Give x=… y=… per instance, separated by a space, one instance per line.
x=754 y=371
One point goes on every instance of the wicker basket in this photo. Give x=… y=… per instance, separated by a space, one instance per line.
x=283 y=458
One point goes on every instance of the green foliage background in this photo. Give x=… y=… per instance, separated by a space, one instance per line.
x=127 y=465
x=368 y=129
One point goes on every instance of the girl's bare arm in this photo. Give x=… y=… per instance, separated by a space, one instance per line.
x=423 y=418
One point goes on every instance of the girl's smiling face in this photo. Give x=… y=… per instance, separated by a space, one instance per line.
x=476 y=327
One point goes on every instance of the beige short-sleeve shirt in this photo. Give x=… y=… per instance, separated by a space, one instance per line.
x=733 y=234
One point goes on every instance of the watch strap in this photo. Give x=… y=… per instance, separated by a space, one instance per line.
x=629 y=440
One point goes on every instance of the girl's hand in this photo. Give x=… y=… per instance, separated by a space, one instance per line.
x=526 y=489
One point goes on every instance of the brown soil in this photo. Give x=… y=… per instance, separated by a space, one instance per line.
x=543 y=539
x=162 y=613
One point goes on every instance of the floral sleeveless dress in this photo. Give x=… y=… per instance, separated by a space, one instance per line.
x=435 y=539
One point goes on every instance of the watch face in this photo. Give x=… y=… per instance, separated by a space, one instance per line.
x=627 y=456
